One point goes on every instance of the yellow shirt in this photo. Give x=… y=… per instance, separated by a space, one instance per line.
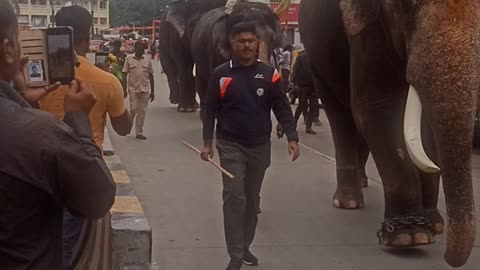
x=108 y=91
x=139 y=71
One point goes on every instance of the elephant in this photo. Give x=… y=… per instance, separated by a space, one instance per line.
x=399 y=78
x=211 y=41
x=175 y=33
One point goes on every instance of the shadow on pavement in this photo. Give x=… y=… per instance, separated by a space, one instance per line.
x=415 y=253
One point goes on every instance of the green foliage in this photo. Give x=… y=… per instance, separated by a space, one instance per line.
x=140 y=12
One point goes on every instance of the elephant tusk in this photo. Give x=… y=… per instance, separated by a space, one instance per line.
x=194 y=71
x=413 y=135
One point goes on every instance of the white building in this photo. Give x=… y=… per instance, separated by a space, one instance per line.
x=38 y=13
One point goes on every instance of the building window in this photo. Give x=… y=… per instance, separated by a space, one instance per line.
x=22 y=19
x=39 y=2
x=23 y=2
x=95 y=20
x=275 y=1
x=39 y=21
x=103 y=4
x=103 y=21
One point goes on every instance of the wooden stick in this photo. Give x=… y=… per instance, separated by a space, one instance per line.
x=211 y=161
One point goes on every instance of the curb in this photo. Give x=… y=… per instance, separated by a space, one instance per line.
x=131 y=231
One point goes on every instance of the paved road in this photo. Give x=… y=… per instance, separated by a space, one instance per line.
x=298 y=229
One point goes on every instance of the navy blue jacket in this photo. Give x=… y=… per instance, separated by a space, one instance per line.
x=241 y=99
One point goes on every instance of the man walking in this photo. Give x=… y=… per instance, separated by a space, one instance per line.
x=285 y=66
x=303 y=78
x=241 y=95
x=140 y=85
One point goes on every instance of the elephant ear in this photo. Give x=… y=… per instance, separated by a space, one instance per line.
x=176 y=16
x=357 y=14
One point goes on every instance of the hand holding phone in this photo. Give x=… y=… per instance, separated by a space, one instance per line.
x=61 y=55
x=51 y=56
x=32 y=95
x=79 y=97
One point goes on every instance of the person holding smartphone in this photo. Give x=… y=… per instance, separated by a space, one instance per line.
x=39 y=163
x=110 y=101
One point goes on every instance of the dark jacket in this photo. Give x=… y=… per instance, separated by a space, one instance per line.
x=241 y=99
x=45 y=166
x=302 y=71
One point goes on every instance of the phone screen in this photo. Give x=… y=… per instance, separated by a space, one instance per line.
x=60 y=58
x=101 y=59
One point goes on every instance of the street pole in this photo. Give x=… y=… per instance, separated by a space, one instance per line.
x=153 y=22
x=52 y=18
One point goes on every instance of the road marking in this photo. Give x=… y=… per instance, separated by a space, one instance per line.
x=331 y=159
x=120 y=177
x=126 y=204
x=112 y=159
x=327 y=157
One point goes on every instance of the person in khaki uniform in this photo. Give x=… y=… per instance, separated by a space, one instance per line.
x=138 y=72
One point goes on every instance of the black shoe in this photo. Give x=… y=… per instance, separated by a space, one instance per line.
x=249 y=259
x=310 y=131
x=141 y=137
x=234 y=265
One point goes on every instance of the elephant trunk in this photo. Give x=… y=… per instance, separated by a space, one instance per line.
x=264 y=54
x=443 y=65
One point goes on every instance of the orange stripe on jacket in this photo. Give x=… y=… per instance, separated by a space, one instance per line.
x=276 y=76
x=224 y=83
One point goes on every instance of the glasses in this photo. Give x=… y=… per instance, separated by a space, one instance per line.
x=245 y=41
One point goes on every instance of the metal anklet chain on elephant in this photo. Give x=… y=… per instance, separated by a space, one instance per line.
x=398 y=79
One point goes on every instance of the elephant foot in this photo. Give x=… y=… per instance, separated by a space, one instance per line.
x=405 y=232
x=436 y=221
x=174 y=102
x=342 y=200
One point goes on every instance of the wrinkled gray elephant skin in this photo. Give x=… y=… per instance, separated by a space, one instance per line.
x=389 y=67
x=175 y=37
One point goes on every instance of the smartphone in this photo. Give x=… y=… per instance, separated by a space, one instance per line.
x=101 y=58
x=60 y=53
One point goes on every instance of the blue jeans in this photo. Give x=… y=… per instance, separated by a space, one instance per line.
x=72 y=228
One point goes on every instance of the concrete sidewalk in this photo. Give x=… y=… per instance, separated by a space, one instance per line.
x=298 y=230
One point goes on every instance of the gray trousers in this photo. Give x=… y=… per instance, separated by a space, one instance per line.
x=241 y=195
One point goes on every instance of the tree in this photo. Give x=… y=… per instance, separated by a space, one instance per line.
x=139 y=12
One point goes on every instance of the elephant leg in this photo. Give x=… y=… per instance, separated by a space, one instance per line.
x=349 y=146
x=172 y=77
x=187 y=88
x=378 y=106
x=364 y=153
x=431 y=182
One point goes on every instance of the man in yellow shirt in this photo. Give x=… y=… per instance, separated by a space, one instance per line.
x=108 y=89
x=110 y=100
